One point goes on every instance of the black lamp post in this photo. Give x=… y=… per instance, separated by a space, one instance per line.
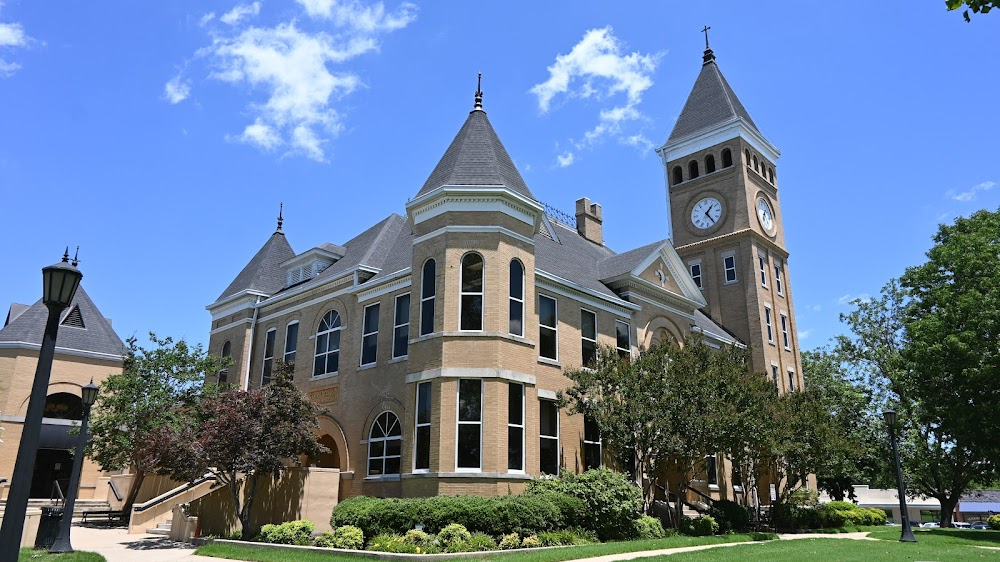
x=907 y=533
x=59 y=284
x=62 y=543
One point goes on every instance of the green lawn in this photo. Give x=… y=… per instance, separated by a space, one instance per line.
x=943 y=536
x=31 y=555
x=239 y=552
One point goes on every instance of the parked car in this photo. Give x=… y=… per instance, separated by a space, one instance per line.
x=961 y=525
x=980 y=526
x=931 y=525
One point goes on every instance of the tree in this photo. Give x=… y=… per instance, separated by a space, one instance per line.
x=155 y=389
x=243 y=438
x=976 y=6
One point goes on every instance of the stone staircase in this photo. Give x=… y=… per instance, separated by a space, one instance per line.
x=163 y=528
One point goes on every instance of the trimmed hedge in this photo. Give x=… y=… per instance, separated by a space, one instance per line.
x=994 y=522
x=292 y=532
x=832 y=515
x=612 y=503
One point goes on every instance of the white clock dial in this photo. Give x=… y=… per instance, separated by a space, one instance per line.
x=765 y=214
x=706 y=212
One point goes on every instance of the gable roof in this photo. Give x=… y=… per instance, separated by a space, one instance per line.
x=98 y=336
x=15 y=311
x=264 y=272
x=711 y=102
x=476 y=157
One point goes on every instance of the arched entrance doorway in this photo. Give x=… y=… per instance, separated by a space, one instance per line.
x=54 y=460
x=330 y=459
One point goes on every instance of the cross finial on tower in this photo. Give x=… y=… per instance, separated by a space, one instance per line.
x=709 y=55
x=281 y=210
x=479 y=93
x=705 y=31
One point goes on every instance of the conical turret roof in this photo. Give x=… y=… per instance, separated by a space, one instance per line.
x=264 y=272
x=711 y=102
x=82 y=327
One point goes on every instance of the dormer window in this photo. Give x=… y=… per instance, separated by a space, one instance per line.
x=306 y=271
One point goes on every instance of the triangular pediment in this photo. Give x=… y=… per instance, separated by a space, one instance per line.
x=665 y=269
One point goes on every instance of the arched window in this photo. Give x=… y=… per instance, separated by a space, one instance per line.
x=327 y=345
x=747 y=153
x=692 y=169
x=709 y=164
x=471 y=305
x=727 y=158
x=427 y=291
x=770 y=175
x=678 y=175
x=516 y=317
x=227 y=353
x=64 y=406
x=755 y=166
x=384 y=445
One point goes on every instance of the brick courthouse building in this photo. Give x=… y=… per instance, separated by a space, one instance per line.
x=437 y=341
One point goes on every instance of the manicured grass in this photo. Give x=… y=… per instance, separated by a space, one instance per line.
x=966 y=537
x=240 y=552
x=31 y=555
x=839 y=550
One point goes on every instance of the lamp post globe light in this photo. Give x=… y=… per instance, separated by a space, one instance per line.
x=62 y=543
x=907 y=533
x=59 y=284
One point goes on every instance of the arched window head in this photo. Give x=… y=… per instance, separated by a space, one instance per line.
x=427 y=293
x=755 y=166
x=327 y=345
x=770 y=174
x=63 y=405
x=471 y=305
x=693 y=169
x=384 y=445
x=747 y=153
x=516 y=315
x=709 y=164
x=227 y=353
x=678 y=175
x=727 y=158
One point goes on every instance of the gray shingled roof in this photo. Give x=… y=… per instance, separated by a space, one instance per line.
x=625 y=262
x=98 y=336
x=711 y=102
x=983 y=496
x=264 y=272
x=476 y=157
x=706 y=324
x=573 y=258
x=15 y=311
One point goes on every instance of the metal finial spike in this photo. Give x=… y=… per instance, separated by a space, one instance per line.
x=66 y=255
x=709 y=56
x=76 y=257
x=281 y=211
x=479 y=92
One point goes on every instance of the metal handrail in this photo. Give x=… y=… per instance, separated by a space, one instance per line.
x=56 y=488
x=114 y=490
x=175 y=492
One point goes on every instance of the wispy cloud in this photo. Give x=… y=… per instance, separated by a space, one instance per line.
x=353 y=14
x=565 y=159
x=206 y=19
x=971 y=193
x=176 y=89
x=849 y=298
x=240 y=12
x=804 y=334
x=816 y=307
x=597 y=68
x=12 y=36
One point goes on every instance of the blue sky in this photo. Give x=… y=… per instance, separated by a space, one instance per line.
x=161 y=136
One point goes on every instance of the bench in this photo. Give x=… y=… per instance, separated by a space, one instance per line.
x=111 y=515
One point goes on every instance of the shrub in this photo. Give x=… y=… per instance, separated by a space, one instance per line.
x=392 y=542
x=480 y=542
x=531 y=542
x=994 y=522
x=453 y=533
x=566 y=538
x=647 y=527
x=530 y=514
x=841 y=505
x=376 y=515
x=418 y=538
x=878 y=516
x=700 y=526
x=510 y=542
x=731 y=516
x=804 y=497
x=612 y=502
x=292 y=532
x=348 y=537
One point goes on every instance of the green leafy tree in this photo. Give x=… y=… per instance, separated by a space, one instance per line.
x=243 y=438
x=977 y=6
x=155 y=389
x=750 y=432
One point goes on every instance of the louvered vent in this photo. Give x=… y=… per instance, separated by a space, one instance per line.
x=74 y=319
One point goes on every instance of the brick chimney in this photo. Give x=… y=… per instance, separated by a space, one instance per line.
x=588 y=220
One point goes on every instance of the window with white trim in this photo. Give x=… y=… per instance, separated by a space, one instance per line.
x=588 y=337
x=767 y=322
x=291 y=341
x=328 y=345
x=784 y=331
x=778 y=272
x=762 y=260
x=695 y=268
x=422 y=440
x=548 y=330
x=591 y=443
x=384 y=445
x=515 y=427
x=468 y=455
x=711 y=470
x=774 y=375
x=791 y=380
x=515 y=324
x=226 y=354
x=623 y=339
x=729 y=266
x=427 y=292
x=401 y=326
x=471 y=298
x=265 y=375
x=548 y=433
x=369 y=335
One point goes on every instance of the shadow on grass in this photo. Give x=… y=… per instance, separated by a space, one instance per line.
x=964 y=534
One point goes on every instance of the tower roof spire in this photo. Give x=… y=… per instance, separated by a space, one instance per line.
x=479 y=94
x=709 y=56
x=281 y=210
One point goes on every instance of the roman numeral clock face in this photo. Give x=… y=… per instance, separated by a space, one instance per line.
x=706 y=213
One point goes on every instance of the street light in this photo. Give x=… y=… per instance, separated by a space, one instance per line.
x=59 y=284
x=62 y=543
x=907 y=533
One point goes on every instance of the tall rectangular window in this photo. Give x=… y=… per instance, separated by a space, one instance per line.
x=369 y=335
x=623 y=339
x=784 y=331
x=591 y=443
x=696 y=273
x=791 y=380
x=401 y=326
x=265 y=376
x=515 y=427
x=470 y=425
x=291 y=341
x=778 y=272
x=422 y=442
x=711 y=470
x=767 y=322
x=588 y=336
x=729 y=265
x=471 y=298
x=427 y=291
x=515 y=324
x=774 y=375
x=547 y=328
x=762 y=260
x=548 y=432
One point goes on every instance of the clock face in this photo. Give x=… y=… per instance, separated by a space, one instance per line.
x=765 y=214
x=706 y=212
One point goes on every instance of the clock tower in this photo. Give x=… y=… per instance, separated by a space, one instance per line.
x=726 y=223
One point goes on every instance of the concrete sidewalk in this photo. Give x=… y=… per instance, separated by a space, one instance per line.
x=117 y=545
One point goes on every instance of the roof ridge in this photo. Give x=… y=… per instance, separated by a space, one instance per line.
x=387 y=224
x=725 y=90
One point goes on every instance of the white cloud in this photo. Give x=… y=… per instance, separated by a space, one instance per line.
x=206 y=19
x=239 y=12
x=598 y=68
x=565 y=159
x=849 y=298
x=356 y=16
x=816 y=307
x=971 y=193
x=261 y=135
x=804 y=334
x=12 y=35
x=176 y=90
